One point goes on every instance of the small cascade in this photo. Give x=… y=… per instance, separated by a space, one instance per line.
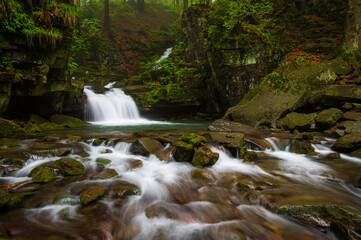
x=165 y=55
x=112 y=108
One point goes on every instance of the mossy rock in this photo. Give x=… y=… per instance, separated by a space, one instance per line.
x=5 y=198
x=183 y=152
x=37 y=119
x=302 y=147
x=69 y=166
x=67 y=121
x=124 y=191
x=42 y=175
x=299 y=121
x=9 y=129
x=145 y=146
x=91 y=194
x=233 y=140
x=194 y=139
x=204 y=157
x=17 y=200
x=8 y=143
x=103 y=161
x=51 y=126
x=348 y=143
x=328 y=118
x=331 y=216
x=106 y=174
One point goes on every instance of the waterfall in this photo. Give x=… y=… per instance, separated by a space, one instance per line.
x=165 y=55
x=112 y=108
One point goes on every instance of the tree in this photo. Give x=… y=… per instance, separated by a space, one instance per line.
x=106 y=18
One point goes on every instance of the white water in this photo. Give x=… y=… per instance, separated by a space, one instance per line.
x=295 y=163
x=165 y=55
x=113 y=108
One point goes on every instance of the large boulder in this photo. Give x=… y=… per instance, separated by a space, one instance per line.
x=222 y=125
x=233 y=140
x=302 y=147
x=351 y=127
x=145 y=146
x=183 y=152
x=345 y=223
x=106 y=174
x=348 y=143
x=204 y=157
x=284 y=90
x=9 y=129
x=353 y=116
x=69 y=166
x=299 y=121
x=124 y=190
x=328 y=118
x=67 y=121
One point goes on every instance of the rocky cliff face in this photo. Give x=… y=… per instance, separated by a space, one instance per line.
x=38 y=81
x=235 y=69
x=34 y=59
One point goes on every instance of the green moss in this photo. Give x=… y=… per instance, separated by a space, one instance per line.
x=185 y=145
x=103 y=161
x=91 y=194
x=42 y=175
x=204 y=157
x=69 y=166
x=5 y=198
x=9 y=129
x=5 y=143
x=194 y=139
x=67 y=121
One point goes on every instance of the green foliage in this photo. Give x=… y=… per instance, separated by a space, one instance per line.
x=248 y=21
x=5 y=63
x=172 y=80
x=43 y=23
x=87 y=37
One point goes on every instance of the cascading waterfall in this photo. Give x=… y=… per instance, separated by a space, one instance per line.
x=112 y=108
x=165 y=55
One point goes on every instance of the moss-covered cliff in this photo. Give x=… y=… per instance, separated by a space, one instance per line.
x=35 y=41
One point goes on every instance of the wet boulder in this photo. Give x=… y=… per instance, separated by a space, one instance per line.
x=221 y=125
x=9 y=129
x=204 y=157
x=103 y=161
x=124 y=190
x=353 y=116
x=252 y=156
x=145 y=146
x=106 y=174
x=345 y=223
x=353 y=127
x=328 y=118
x=299 y=121
x=134 y=163
x=233 y=140
x=183 y=152
x=348 y=143
x=42 y=175
x=194 y=139
x=69 y=166
x=5 y=198
x=203 y=175
x=67 y=121
x=91 y=194
x=302 y=147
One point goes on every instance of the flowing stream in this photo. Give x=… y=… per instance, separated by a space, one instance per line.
x=156 y=197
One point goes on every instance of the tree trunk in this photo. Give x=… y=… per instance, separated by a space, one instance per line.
x=185 y=4
x=106 y=18
x=78 y=3
x=141 y=6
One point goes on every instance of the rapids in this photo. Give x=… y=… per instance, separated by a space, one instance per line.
x=229 y=200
